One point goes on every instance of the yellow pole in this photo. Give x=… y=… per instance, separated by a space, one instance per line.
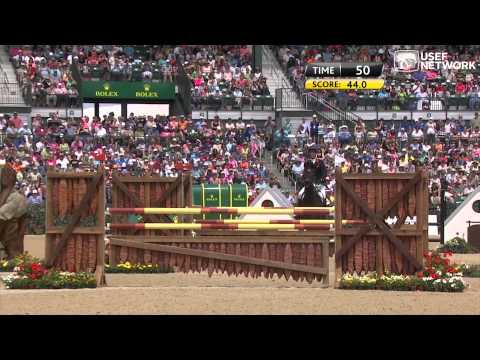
x=194 y=226
x=255 y=221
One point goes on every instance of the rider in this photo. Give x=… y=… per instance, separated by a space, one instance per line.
x=313 y=192
x=316 y=163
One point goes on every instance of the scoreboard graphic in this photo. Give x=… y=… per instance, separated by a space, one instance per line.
x=344 y=76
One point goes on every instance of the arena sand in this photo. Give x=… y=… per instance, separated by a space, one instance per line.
x=198 y=294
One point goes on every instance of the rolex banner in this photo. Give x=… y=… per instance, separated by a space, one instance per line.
x=119 y=90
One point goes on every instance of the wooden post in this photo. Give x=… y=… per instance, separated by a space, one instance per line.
x=325 y=262
x=181 y=200
x=420 y=213
x=379 y=242
x=114 y=253
x=100 y=268
x=147 y=202
x=443 y=210
x=338 y=227
x=426 y=201
x=49 y=218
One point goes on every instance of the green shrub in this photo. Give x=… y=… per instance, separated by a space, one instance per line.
x=458 y=245
x=470 y=270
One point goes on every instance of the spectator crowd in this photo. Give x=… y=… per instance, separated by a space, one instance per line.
x=222 y=70
x=226 y=151
x=45 y=71
x=429 y=88
x=45 y=75
x=448 y=150
x=215 y=151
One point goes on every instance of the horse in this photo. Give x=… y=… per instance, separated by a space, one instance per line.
x=13 y=213
x=313 y=193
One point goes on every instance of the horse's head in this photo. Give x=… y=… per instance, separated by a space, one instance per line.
x=308 y=177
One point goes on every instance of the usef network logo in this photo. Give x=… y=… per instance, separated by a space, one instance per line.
x=408 y=61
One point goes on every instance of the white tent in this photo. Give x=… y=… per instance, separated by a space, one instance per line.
x=278 y=200
x=457 y=223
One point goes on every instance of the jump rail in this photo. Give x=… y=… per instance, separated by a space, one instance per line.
x=224 y=210
x=196 y=226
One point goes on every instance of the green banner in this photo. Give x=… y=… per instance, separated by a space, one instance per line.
x=128 y=90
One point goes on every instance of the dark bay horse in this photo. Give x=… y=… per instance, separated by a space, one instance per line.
x=313 y=192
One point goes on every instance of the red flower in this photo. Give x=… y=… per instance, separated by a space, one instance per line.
x=434 y=276
x=437 y=260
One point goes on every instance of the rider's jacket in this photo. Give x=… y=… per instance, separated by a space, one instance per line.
x=319 y=167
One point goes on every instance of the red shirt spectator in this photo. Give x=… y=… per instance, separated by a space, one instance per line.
x=40 y=131
x=460 y=88
x=99 y=154
x=16 y=121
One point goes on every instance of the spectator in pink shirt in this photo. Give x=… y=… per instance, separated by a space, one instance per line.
x=199 y=80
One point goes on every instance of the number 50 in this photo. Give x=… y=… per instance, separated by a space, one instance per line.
x=362 y=70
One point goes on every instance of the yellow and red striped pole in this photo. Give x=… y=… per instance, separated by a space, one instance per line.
x=260 y=221
x=195 y=226
x=226 y=210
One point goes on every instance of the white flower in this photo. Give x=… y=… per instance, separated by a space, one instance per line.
x=8 y=277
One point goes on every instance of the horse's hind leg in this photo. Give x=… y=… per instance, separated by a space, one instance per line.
x=10 y=238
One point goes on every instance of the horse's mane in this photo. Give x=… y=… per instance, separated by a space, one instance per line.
x=310 y=195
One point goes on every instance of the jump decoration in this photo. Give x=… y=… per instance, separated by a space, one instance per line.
x=75 y=219
x=152 y=225
x=376 y=246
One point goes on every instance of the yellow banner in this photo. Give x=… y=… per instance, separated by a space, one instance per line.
x=344 y=84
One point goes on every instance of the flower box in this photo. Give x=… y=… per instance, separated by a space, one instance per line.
x=29 y=273
x=438 y=275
